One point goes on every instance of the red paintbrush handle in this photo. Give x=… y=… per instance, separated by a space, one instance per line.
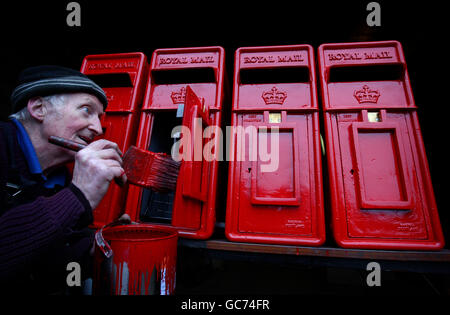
x=66 y=143
x=75 y=146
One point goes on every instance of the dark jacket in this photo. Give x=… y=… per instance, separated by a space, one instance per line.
x=41 y=229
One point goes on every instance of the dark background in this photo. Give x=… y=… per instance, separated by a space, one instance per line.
x=37 y=33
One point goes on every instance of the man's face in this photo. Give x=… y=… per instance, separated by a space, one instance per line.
x=78 y=119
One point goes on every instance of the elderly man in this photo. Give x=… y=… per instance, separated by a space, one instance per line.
x=44 y=212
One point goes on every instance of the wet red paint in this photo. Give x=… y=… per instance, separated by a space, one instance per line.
x=143 y=263
x=157 y=171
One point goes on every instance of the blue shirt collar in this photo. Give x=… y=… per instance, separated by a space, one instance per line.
x=31 y=157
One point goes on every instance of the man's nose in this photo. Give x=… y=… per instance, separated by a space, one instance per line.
x=96 y=126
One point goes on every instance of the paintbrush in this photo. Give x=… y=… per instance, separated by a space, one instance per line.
x=156 y=171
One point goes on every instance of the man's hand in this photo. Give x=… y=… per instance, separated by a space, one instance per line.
x=95 y=167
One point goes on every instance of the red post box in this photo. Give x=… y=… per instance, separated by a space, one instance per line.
x=380 y=186
x=184 y=84
x=275 y=183
x=122 y=77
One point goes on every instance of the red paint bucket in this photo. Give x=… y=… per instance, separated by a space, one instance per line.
x=140 y=260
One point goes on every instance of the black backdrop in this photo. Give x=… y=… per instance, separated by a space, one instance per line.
x=37 y=33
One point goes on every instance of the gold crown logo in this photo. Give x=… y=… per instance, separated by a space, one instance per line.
x=178 y=96
x=274 y=96
x=366 y=95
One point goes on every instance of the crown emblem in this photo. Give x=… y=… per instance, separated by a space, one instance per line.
x=178 y=96
x=274 y=96
x=366 y=95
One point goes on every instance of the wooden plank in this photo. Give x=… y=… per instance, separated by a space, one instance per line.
x=335 y=252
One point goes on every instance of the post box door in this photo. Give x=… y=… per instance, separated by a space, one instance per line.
x=277 y=201
x=193 y=178
x=381 y=191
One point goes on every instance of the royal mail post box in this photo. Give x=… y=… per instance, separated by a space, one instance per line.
x=380 y=187
x=185 y=86
x=275 y=177
x=122 y=77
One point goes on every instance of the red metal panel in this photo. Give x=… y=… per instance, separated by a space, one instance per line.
x=195 y=172
x=381 y=172
x=173 y=72
x=122 y=77
x=266 y=187
x=380 y=186
x=275 y=94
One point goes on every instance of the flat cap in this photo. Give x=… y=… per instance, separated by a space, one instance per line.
x=49 y=79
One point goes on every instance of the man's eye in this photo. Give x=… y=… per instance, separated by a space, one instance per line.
x=86 y=109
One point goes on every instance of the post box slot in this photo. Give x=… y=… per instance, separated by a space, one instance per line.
x=367 y=86
x=118 y=88
x=180 y=76
x=112 y=80
x=163 y=124
x=363 y=73
x=155 y=206
x=274 y=75
x=382 y=181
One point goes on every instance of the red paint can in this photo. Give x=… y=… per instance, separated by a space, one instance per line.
x=143 y=261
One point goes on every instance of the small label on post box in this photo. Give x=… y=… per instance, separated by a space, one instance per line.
x=180 y=111
x=373 y=117
x=274 y=118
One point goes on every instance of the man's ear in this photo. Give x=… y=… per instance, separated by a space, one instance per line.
x=36 y=108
